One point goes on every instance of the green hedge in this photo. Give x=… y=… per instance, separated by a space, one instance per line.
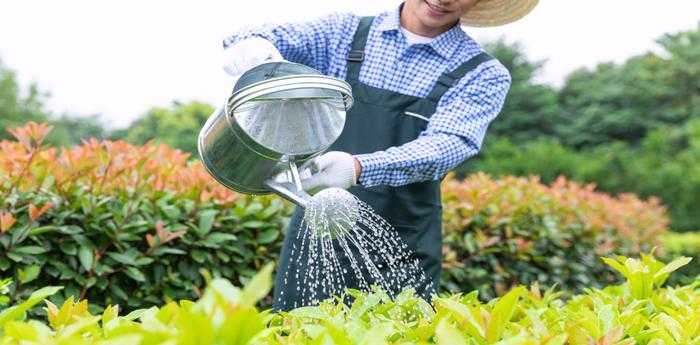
x=501 y=233
x=683 y=244
x=664 y=164
x=639 y=311
x=121 y=224
x=139 y=251
x=137 y=225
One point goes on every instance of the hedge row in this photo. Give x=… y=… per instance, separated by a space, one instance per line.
x=137 y=225
x=500 y=233
x=683 y=244
x=117 y=223
x=636 y=312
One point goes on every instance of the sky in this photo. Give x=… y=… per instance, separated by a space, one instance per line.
x=120 y=58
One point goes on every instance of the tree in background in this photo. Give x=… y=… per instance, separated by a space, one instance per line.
x=531 y=110
x=624 y=102
x=176 y=126
x=682 y=73
x=666 y=164
x=70 y=130
x=18 y=106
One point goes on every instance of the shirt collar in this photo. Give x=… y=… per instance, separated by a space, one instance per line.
x=390 y=21
x=444 y=44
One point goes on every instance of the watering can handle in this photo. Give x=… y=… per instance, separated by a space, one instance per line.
x=295 y=176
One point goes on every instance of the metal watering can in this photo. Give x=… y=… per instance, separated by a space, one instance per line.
x=279 y=115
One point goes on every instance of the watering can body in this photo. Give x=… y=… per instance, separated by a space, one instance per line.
x=279 y=114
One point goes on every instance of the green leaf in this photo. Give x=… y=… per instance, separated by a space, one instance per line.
x=672 y=326
x=110 y=313
x=220 y=237
x=17 y=312
x=69 y=248
x=135 y=274
x=271 y=210
x=171 y=212
x=268 y=236
x=258 y=287
x=660 y=276
x=558 y=340
x=122 y=258
x=309 y=312
x=28 y=274
x=446 y=334
x=18 y=236
x=85 y=255
x=198 y=256
x=70 y=229
x=206 y=220
x=42 y=230
x=4 y=264
x=167 y=250
x=461 y=313
x=30 y=250
x=502 y=313
x=14 y=256
x=255 y=224
x=253 y=208
x=118 y=291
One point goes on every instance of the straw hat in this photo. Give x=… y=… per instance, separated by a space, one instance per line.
x=497 y=12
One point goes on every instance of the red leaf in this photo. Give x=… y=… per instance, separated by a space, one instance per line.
x=6 y=221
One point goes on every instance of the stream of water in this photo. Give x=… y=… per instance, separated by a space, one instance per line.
x=343 y=243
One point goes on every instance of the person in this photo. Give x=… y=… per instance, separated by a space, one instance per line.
x=425 y=93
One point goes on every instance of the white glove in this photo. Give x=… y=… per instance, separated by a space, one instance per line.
x=249 y=53
x=331 y=169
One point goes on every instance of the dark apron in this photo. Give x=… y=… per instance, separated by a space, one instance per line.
x=378 y=120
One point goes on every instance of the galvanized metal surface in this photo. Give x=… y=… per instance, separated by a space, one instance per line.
x=271 y=124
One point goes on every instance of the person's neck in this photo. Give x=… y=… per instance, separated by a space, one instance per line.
x=411 y=23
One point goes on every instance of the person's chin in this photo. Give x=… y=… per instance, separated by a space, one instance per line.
x=431 y=19
x=434 y=23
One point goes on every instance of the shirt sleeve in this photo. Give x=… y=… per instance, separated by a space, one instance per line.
x=311 y=43
x=455 y=132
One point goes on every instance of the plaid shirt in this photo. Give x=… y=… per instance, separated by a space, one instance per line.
x=456 y=130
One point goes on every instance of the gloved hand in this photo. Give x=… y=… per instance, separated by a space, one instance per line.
x=249 y=53
x=331 y=169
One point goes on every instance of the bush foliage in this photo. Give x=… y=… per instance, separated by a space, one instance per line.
x=662 y=165
x=683 y=244
x=118 y=223
x=134 y=225
x=501 y=233
x=636 y=312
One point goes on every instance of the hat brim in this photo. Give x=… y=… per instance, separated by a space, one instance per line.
x=497 y=12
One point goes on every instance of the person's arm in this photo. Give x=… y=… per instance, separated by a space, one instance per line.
x=310 y=43
x=455 y=132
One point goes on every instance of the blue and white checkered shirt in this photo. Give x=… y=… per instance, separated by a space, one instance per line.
x=456 y=130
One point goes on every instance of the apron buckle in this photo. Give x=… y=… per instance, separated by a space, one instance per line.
x=356 y=56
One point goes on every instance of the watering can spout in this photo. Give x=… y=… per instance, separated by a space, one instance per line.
x=288 y=191
x=287 y=184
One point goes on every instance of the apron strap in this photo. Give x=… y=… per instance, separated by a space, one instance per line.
x=357 y=52
x=447 y=80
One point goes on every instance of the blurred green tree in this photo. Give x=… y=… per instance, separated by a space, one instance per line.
x=70 y=130
x=624 y=102
x=18 y=106
x=177 y=125
x=531 y=110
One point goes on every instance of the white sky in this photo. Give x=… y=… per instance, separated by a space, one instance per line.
x=119 y=58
